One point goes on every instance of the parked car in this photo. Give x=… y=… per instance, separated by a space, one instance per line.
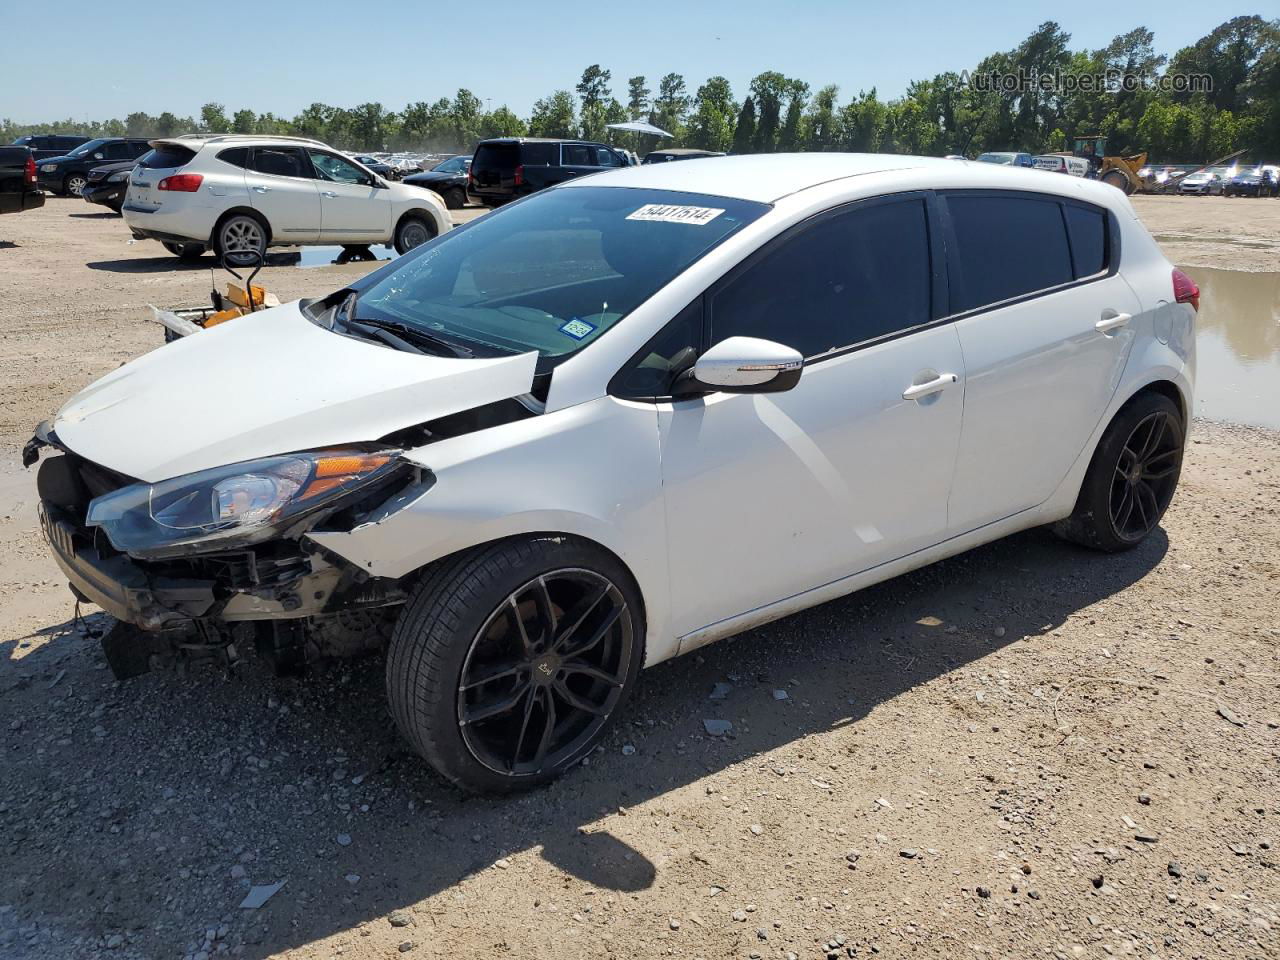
x=1253 y=182
x=678 y=153
x=1007 y=159
x=447 y=178
x=240 y=195
x=49 y=145
x=506 y=168
x=380 y=167
x=19 y=189
x=67 y=175
x=588 y=433
x=1203 y=183
x=107 y=184
x=1062 y=163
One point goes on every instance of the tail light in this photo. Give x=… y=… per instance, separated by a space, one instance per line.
x=29 y=173
x=1185 y=290
x=519 y=181
x=181 y=182
x=471 y=179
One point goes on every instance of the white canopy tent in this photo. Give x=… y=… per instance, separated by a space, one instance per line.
x=639 y=126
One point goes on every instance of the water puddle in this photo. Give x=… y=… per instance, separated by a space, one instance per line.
x=329 y=256
x=1253 y=243
x=1238 y=346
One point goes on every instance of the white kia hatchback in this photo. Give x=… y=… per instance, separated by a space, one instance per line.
x=622 y=418
x=239 y=195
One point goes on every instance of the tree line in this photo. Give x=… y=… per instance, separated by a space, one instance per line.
x=947 y=114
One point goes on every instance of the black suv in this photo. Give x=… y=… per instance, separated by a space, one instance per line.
x=44 y=145
x=68 y=174
x=511 y=167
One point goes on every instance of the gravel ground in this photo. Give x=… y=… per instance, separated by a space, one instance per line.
x=1027 y=750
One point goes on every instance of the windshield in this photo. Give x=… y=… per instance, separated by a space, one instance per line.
x=84 y=148
x=452 y=165
x=996 y=158
x=553 y=272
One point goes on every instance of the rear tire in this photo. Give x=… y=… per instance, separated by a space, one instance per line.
x=455 y=198
x=412 y=231
x=1118 y=180
x=241 y=239
x=1132 y=477
x=509 y=661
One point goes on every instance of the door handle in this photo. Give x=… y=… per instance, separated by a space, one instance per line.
x=1107 y=324
x=919 y=390
x=328 y=193
x=261 y=189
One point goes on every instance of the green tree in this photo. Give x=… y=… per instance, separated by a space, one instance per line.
x=502 y=123
x=711 y=125
x=638 y=98
x=821 y=126
x=671 y=105
x=767 y=92
x=553 y=116
x=594 y=87
x=213 y=118
x=791 y=138
x=744 y=131
x=244 y=121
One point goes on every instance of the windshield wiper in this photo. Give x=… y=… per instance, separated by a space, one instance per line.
x=386 y=336
x=405 y=331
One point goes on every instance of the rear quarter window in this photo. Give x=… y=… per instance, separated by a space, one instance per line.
x=540 y=154
x=1088 y=229
x=236 y=156
x=1006 y=247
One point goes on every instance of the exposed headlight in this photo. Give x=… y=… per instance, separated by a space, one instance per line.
x=237 y=504
x=48 y=167
x=118 y=177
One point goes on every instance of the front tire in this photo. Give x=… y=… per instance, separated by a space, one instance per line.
x=455 y=198
x=73 y=186
x=1132 y=477
x=509 y=661
x=185 y=251
x=413 y=231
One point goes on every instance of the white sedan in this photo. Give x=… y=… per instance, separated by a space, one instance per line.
x=627 y=416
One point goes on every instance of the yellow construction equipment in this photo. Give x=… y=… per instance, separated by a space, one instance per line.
x=1120 y=172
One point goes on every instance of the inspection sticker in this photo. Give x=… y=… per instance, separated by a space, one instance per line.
x=576 y=328
x=673 y=213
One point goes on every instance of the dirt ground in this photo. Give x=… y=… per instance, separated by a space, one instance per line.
x=1029 y=750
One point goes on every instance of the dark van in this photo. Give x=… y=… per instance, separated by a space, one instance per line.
x=68 y=174
x=44 y=145
x=507 y=168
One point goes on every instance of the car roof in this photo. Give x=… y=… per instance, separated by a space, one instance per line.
x=194 y=141
x=594 y=143
x=762 y=177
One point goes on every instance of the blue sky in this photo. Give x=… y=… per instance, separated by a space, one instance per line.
x=93 y=61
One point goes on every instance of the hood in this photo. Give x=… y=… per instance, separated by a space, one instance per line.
x=431 y=176
x=114 y=166
x=268 y=383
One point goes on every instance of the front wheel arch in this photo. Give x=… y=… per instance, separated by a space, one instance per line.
x=423 y=214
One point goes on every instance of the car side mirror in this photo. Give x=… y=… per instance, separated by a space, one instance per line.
x=97 y=156
x=742 y=365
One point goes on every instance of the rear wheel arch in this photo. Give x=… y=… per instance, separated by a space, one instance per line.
x=239 y=211
x=1165 y=388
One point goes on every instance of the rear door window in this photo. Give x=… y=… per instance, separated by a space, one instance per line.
x=577 y=155
x=1006 y=247
x=118 y=151
x=280 y=162
x=852 y=277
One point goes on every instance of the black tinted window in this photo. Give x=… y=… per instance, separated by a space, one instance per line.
x=119 y=151
x=1087 y=227
x=577 y=154
x=848 y=279
x=652 y=371
x=496 y=156
x=1007 y=246
x=280 y=162
x=540 y=154
x=236 y=156
x=167 y=156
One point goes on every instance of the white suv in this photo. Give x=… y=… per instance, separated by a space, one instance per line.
x=240 y=194
x=626 y=416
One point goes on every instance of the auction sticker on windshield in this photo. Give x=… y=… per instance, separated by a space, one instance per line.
x=673 y=213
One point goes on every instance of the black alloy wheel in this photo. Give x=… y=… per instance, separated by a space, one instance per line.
x=1146 y=475
x=544 y=672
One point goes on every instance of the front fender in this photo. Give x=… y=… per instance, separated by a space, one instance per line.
x=591 y=471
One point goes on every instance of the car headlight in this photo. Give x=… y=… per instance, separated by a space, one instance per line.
x=118 y=177
x=237 y=504
x=48 y=167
